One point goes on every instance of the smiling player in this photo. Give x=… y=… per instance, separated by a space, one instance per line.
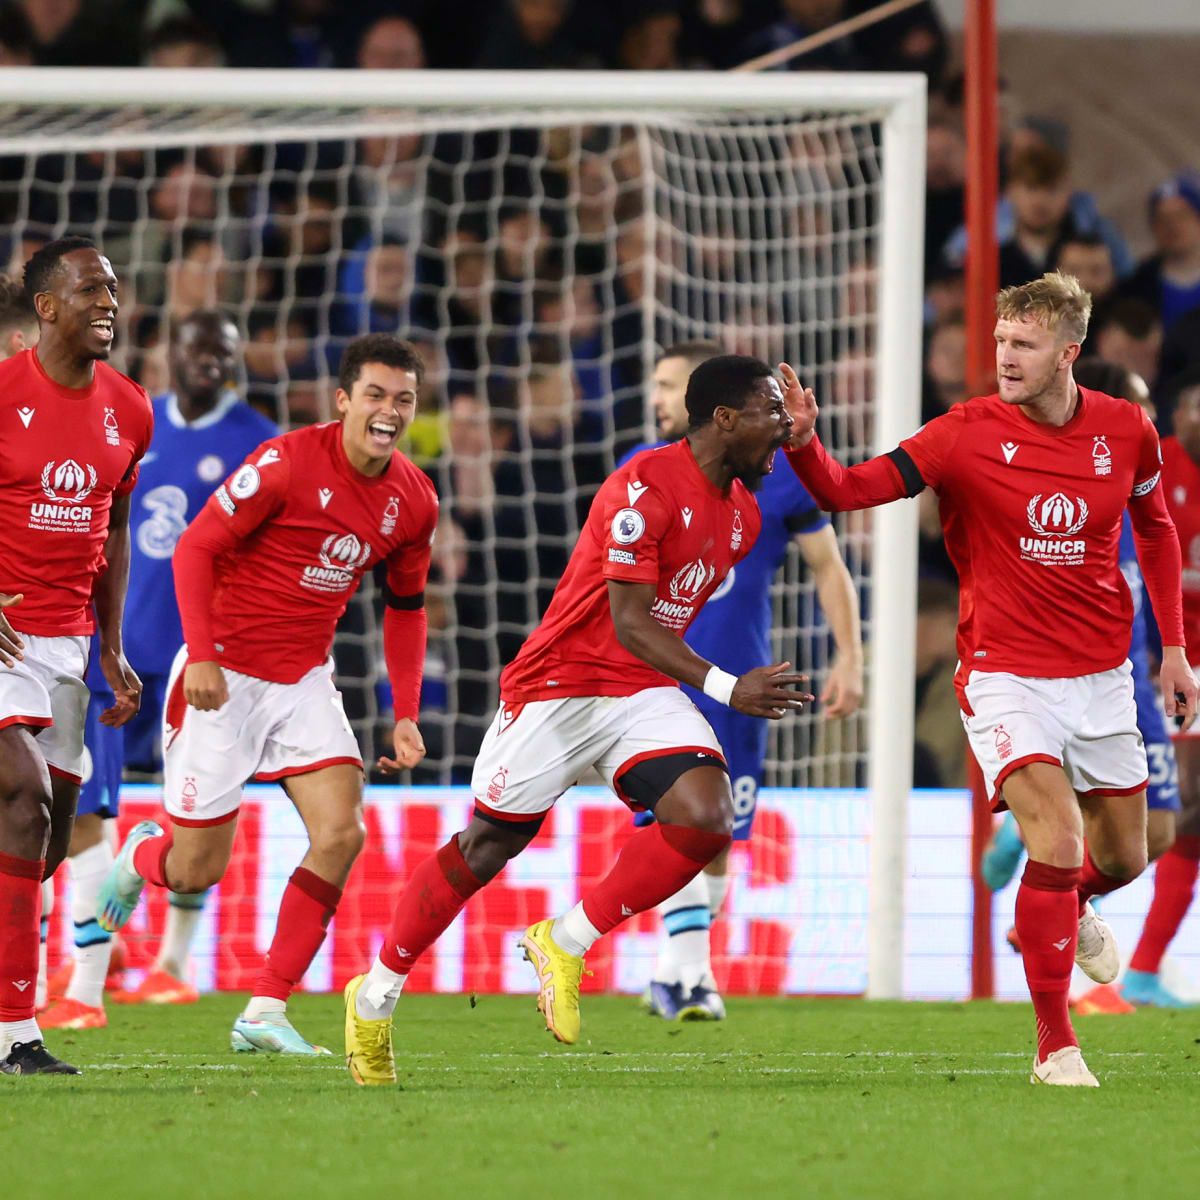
x=73 y=432
x=262 y=576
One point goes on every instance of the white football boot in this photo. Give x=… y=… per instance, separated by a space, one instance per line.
x=1063 y=1068
x=1097 y=955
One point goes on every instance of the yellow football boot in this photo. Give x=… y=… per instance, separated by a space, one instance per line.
x=559 y=974
x=368 y=1043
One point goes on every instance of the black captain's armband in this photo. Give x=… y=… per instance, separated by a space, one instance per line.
x=914 y=485
x=410 y=603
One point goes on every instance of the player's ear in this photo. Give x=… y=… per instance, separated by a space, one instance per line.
x=341 y=400
x=1070 y=352
x=46 y=306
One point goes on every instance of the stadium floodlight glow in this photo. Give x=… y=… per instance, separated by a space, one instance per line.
x=781 y=214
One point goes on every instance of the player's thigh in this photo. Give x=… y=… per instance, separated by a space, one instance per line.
x=1187 y=760
x=64 y=795
x=63 y=663
x=1106 y=754
x=200 y=854
x=307 y=729
x=1161 y=830
x=1041 y=798
x=208 y=756
x=532 y=753
x=1013 y=723
x=25 y=798
x=667 y=759
x=744 y=741
x=330 y=803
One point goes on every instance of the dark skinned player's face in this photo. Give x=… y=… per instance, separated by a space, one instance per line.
x=83 y=291
x=203 y=359
x=762 y=427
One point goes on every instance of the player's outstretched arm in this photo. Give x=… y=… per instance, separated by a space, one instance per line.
x=834 y=487
x=768 y=692
x=109 y=599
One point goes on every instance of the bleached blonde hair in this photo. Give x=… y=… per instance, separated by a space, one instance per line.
x=1056 y=301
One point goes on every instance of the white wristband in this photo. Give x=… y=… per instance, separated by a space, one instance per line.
x=719 y=685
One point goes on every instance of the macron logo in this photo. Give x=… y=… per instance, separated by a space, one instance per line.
x=324 y=495
x=21 y=984
x=26 y=415
x=626 y=911
x=1009 y=449
x=1061 y=945
x=635 y=491
x=687 y=518
x=269 y=457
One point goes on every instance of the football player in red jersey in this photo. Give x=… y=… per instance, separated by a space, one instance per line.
x=262 y=576
x=73 y=432
x=595 y=686
x=1033 y=482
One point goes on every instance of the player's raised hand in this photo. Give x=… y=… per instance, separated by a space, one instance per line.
x=843 y=691
x=126 y=688
x=11 y=646
x=801 y=404
x=1178 y=684
x=409 y=746
x=204 y=686
x=769 y=692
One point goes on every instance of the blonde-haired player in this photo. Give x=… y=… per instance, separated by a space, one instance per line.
x=1032 y=484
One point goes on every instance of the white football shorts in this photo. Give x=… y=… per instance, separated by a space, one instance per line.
x=265 y=731
x=46 y=691
x=534 y=752
x=1086 y=724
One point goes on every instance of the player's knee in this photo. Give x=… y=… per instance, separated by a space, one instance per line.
x=487 y=848
x=709 y=812
x=1126 y=861
x=341 y=843
x=25 y=818
x=190 y=876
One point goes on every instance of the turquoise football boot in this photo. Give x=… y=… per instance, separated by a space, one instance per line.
x=122 y=888
x=270 y=1035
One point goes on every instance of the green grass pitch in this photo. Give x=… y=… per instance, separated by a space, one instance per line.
x=786 y=1098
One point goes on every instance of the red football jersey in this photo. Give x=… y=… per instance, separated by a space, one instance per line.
x=296 y=527
x=660 y=520
x=1032 y=519
x=1181 y=485
x=66 y=453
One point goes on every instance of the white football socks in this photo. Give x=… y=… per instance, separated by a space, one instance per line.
x=265 y=1008
x=683 y=952
x=93 y=946
x=573 y=932
x=376 y=999
x=183 y=918
x=12 y=1032
x=718 y=889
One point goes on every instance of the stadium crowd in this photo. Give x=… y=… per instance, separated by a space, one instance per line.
x=529 y=316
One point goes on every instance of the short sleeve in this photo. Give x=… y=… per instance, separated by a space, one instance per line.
x=254 y=492
x=1149 y=465
x=408 y=563
x=632 y=532
x=930 y=449
x=801 y=513
x=129 y=479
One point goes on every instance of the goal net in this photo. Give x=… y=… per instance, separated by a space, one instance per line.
x=541 y=238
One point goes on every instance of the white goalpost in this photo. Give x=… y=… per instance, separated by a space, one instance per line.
x=541 y=236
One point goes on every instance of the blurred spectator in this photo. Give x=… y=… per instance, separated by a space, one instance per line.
x=1088 y=257
x=945 y=294
x=1169 y=280
x=196 y=276
x=18 y=320
x=85 y=33
x=1129 y=333
x=528 y=35
x=945 y=179
x=800 y=19
x=391 y=44
x=715 y=32
x=16 y=38
x=650 y=42
x=289 y=33
x=914 y=40
x=1180 y=352
x=376 y=299
x=183 y=41
x=945 y=368
x=939 y=758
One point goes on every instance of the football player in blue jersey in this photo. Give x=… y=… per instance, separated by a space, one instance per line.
x=202 y=430
x=735 y=626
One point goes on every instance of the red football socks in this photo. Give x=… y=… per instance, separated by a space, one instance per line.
x=432 y=898
x=1094 y=882
x=1174 y=886
x=1048 y=929
x=20 y=915
x=655 y=863
x=308 y=905
x=150 y=859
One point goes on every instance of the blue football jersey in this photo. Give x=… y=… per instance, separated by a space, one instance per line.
x=184 y=466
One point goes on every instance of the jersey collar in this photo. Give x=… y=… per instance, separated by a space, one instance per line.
x=227 y=399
